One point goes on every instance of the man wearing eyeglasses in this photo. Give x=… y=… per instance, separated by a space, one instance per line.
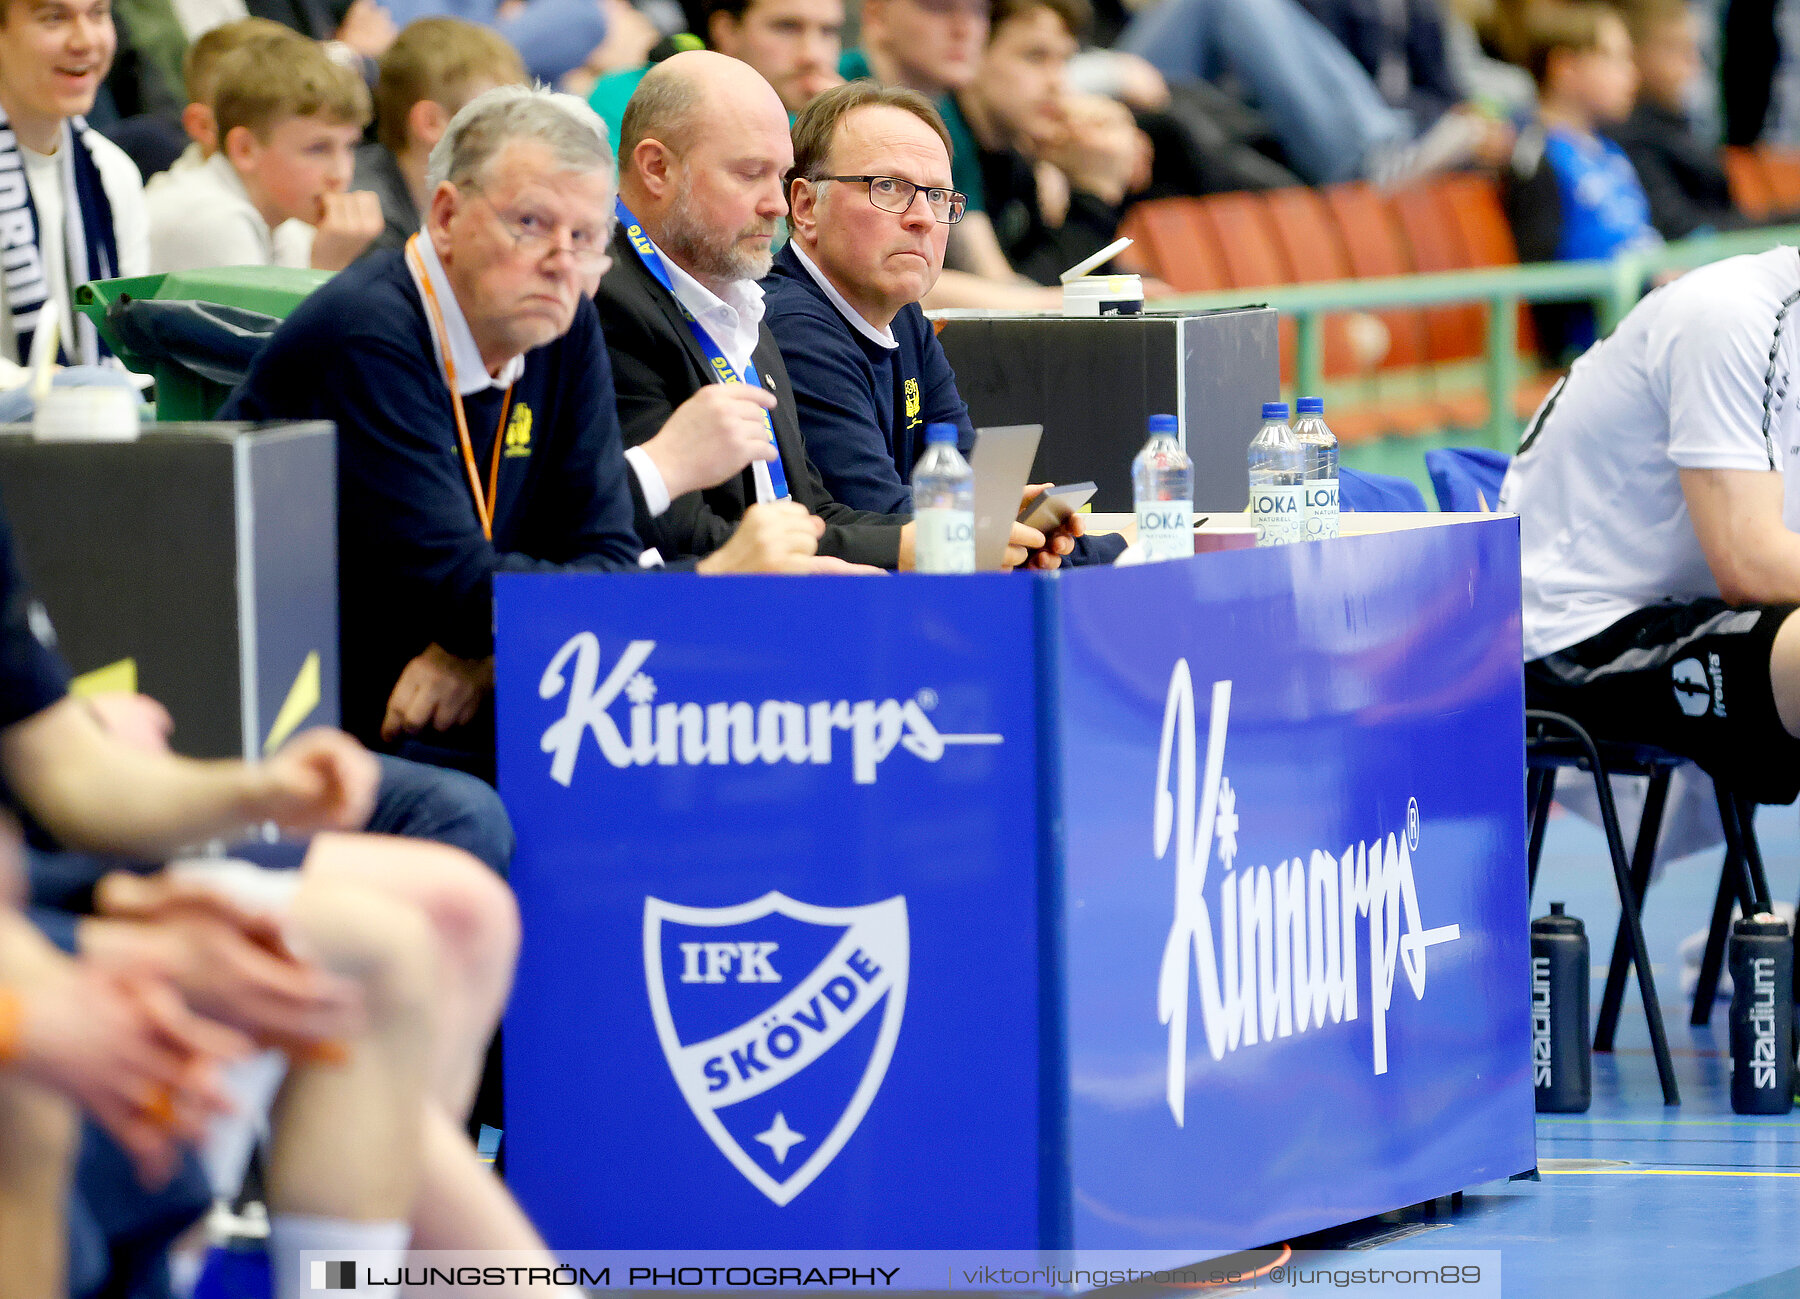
x=704 y=150
x=477 y=431
x=872 y=207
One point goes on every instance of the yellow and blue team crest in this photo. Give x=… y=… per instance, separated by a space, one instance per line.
x=912 y=402
x=518 y=432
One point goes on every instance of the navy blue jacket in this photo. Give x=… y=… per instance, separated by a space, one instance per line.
x=413 y=566
x=863 y=408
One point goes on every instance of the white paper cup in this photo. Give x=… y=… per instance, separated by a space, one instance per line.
x=1104 y=295
x=88 y=413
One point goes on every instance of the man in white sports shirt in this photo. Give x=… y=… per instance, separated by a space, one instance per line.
x=79 y=213
x=1661 y=564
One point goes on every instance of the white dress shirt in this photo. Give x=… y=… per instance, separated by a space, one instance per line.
x=734 y=324
x=880 y=337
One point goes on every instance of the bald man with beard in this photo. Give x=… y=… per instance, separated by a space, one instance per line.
x=703 y=156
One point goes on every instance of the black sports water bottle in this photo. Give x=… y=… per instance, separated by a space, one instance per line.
x=1560 y=1064
x=1761 y=960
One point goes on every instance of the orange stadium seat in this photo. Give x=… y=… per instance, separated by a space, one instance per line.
x=1175 y=244
x=1750 y=189
x=1245 y=235
x=1782 y=169
x=1376 y=247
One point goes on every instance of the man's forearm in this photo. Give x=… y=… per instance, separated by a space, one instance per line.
x=94 y=793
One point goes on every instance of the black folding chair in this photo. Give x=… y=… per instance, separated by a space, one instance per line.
x=1554 y=742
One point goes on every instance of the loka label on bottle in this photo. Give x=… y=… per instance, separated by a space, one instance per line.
x=944 y=541
x=1321 y=508
x=1279 y=513
x=1165 y=529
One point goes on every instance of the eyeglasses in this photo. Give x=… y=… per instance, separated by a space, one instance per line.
x=891 y=194
x=537 y=236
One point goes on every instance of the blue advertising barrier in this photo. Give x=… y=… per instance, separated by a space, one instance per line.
x=1177 y=908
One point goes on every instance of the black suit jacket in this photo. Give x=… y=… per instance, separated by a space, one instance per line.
x=657 y=365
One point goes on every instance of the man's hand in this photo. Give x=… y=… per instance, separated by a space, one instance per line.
x=439 y=690
x=1060 y=541
x=138 y=720
x=347 y=224
x=778 y=537
x=712 y=436
x=1019 y=545
x=368 y=29
x=122 y=1046
x=1100 y=148
x=320 y=780
x=230 y=965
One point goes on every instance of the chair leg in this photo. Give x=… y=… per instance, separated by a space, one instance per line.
x=1540 y=790
x=1714 y=960
x=1643 y=856
x=1633 y=923
x=1755 y=876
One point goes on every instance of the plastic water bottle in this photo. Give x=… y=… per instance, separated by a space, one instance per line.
x=1760 y=956
x=1277 y=480
x=1561 y=1072
x=1320 y=446
x=1162 y=488
x=943 y=506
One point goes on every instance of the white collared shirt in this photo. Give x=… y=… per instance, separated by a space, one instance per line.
x=882 y=337
x=472 y=375
x=734 y=324
x=471 y=371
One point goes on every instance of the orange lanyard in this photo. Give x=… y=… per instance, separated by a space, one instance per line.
x=484 y=500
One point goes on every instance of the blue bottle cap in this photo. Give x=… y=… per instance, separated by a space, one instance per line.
x=935 y=433
x=1310 y=405
x=1164 y=424
x=1274 y=410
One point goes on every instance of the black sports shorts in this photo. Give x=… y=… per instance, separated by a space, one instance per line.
x=1690 y=678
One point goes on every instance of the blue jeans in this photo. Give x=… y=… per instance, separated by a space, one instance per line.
x=1320 y=103
x=452 y=807
x=118 y=1232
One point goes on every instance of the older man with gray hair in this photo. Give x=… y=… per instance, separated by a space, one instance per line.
x=477 y=432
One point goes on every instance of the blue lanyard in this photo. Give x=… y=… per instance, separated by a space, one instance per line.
x=724 y=369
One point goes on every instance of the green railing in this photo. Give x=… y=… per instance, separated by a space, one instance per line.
x=1612 y=286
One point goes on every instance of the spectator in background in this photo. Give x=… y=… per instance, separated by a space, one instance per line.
x=1401 y=45
x=795 y=44
x=1571 y=193
x=1502 y=87
x=1682 y=176
x=935 y=48
x=553 y=37
x=79 y=214
x=1056 y=168
x=291 y=240
x=1325 y=109
x=288 y=118
x=434 y=68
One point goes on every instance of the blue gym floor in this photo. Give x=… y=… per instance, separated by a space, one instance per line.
x=1638 y=1200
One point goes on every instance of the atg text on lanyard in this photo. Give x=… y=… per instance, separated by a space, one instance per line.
x=727 y=372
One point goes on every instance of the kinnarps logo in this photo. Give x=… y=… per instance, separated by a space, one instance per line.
x=336 y=1275
x=693 y=734
x=747 y=999
x=1284 y=959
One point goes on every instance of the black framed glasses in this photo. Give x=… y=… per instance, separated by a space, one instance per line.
x=891 y=194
